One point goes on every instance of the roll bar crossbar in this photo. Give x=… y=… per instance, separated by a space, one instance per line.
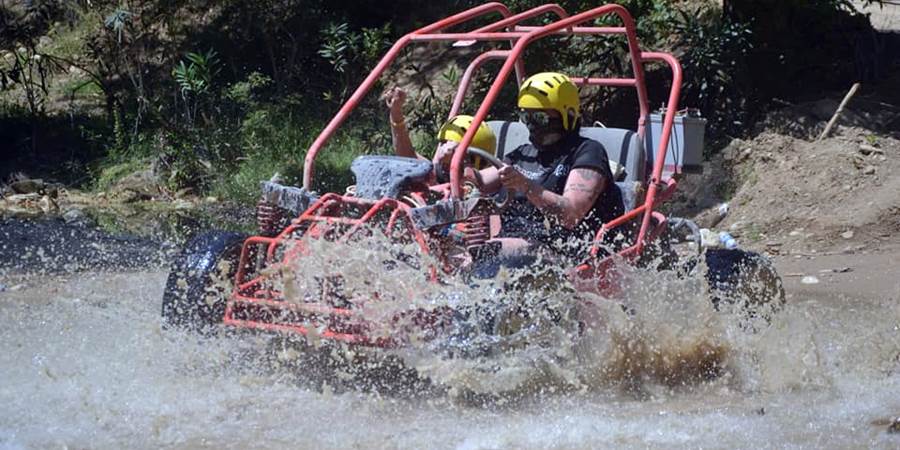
x=508 y=28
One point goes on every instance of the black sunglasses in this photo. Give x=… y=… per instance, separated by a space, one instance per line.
x=535 y=118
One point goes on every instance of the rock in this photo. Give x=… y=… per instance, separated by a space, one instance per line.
x=211 y=199
x=27 y=186
x=75 y=216
x=866 y=149
x=2 y=287
x=45 y=41
x=21 y=199
x=869 y=170
x=143 y=185
x=48 y=205
x=847 y=234
x=809 y=279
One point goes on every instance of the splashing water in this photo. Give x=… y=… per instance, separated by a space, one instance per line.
x=86 y=364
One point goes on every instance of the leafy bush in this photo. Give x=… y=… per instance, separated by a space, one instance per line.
x=195 y=80
x=715 y=50
x=227 y=118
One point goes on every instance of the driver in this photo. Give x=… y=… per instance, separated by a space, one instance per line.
x=564 y=189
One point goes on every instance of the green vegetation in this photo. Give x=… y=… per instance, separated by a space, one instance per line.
x=220 y=95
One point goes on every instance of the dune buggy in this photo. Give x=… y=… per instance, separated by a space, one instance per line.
x=393 y=197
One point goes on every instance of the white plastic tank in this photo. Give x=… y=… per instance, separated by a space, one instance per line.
x=685 y=153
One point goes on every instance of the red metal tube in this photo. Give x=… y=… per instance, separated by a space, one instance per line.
x=368 y=215
x=467 y=76
x=465 y=16
x=389 y=57
x=525 y=15
x=614 y=82
x=579 y=30
x=668 y=120
x=470 y=36
x=518 y=18
x=459 y=155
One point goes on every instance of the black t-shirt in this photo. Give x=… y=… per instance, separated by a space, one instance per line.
x=550 y=168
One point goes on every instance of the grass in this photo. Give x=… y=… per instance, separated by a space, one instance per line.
x=275 y=141
x=269 y=141
x=332 y=171
x=114 y=172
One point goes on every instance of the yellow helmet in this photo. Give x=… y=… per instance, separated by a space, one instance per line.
x=455 y=128
x=551 y=90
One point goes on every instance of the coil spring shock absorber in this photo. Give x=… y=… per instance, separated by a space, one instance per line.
x=476 y=230
x=268 y=218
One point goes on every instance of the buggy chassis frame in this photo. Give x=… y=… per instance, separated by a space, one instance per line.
x=595 y=275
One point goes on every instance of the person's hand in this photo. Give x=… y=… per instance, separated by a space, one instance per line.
x=512 y=179
x=394 y=98
x=444 y=154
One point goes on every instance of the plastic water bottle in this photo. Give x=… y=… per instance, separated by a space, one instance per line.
x=727 y=240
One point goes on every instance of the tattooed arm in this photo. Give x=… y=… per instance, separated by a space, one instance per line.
x=583 y=186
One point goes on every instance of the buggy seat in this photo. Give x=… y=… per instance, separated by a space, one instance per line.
x=380 y=176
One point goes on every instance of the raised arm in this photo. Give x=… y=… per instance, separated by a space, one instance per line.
x=395 y=98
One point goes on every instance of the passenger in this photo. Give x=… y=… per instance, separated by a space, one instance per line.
x=450 y=134
x=564 y=190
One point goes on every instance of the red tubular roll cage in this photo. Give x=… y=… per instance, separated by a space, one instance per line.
x=519 y=36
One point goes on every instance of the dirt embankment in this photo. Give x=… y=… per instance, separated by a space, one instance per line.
x=791 y=193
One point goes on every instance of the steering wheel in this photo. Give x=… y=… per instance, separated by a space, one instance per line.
x=496 y=162
x=501 y=198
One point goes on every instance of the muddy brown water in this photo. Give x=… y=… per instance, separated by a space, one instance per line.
x=86 y=364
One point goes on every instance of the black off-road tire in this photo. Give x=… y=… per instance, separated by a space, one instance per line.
x=747 y=280
x=201 y=278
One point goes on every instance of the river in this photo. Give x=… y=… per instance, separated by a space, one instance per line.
x=87 y=365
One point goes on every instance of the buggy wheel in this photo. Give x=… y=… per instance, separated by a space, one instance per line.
x=746 y=280
x=201 y=278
